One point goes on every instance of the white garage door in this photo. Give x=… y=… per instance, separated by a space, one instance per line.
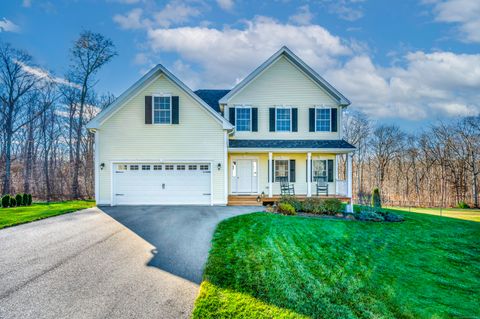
x=161 y=183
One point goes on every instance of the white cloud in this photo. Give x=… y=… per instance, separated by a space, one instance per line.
x=420 y=85
x=464 y=13
x=349 y=10
x=226 y=4
x=27 y=3
x=174 y=13
x=8 y=26
x=132 y=20
x=303 y=16
x=430 y=85
x=42 y=74
x=228 y=53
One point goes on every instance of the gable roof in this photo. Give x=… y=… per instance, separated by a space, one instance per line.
x=284 y=51
x=211 y=97
x=135 y=88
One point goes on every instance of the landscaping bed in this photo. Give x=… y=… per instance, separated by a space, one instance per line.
x=265 y=265
x=334 y=208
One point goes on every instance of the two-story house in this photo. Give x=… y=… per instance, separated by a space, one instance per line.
x=162 y=143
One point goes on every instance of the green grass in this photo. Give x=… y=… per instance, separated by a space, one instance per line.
x=271 y=266
x=24 y=214
x=467 y=214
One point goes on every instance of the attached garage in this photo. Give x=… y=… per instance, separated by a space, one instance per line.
x=161 y=183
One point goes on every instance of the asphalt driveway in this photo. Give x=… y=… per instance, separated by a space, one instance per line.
x=113 y=262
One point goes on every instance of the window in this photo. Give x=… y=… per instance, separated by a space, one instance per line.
x=319 y=168
x=157 y=167
x=162 y=109
x=169 y=167
x=243 y=119
x=322 y=120
x=134 y=167
x=283 y=119
x=122 y=167
x=281 y=169
x=180 y=167
x=204 y=167
x=192 y=167
x=145 y=167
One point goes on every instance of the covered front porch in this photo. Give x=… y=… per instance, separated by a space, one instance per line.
x=255 y=175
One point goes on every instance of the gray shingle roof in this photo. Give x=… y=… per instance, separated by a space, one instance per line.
x=211 y=97
x=290 y=144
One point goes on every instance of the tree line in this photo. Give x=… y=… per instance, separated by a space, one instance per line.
x=45 y=147
x=437 y=166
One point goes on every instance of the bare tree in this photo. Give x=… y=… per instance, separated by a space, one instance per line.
x=16 y=84
x=386 y=143
x=89 y=54
x=356 y=130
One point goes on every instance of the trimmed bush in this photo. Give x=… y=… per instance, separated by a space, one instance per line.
x=392 y=217
x=369 y=216
x=376 y=199
x=13 y=202
x=6 y=201
x=462 y=205
x=19 y=200
x=313 y=206
x=286 y=209
x=292 y=200
x=25 y=199
x=29 y=199
x=332 y=206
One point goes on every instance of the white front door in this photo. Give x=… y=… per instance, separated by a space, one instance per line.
x=244 y=176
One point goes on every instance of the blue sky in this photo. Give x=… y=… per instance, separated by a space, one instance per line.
x=407 y=62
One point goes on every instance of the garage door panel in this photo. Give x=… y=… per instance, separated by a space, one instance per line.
x=160 y=186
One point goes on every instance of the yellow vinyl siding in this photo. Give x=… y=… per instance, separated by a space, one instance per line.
x=125 y=137
x=283 y=84
x=300 y=171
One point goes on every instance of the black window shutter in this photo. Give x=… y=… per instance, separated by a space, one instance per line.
x=292 y=171
x=272 y=119
x=231 y=114
x=254 y=119
x=175 y=110
x=311 y=119
x=148 y=110
x=330 y=170
x=294 y=120
x=334 y=119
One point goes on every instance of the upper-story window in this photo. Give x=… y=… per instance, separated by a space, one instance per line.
x=322 y=120
x=283 y=119
x=243 y=119
x=162 y=110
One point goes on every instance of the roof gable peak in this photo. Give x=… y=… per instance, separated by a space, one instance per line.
x=285 y=51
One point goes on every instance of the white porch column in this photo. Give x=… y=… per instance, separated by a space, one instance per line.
x=309 y=174
x=335 y=163
x=270 y=175
x=349 y=182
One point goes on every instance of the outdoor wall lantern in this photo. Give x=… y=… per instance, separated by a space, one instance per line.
x=219 y=166
x=102 y=166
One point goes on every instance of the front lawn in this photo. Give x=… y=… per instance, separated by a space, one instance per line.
x=24 y=214
x=271 y=266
